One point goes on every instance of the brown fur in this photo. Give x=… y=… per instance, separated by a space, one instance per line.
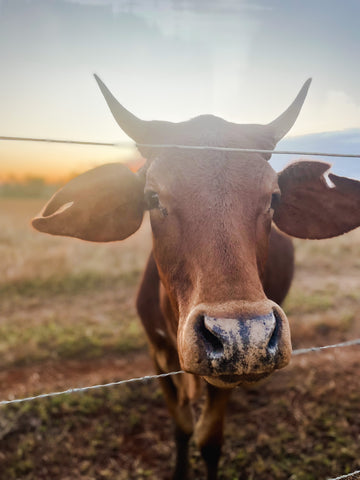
x=181 y=390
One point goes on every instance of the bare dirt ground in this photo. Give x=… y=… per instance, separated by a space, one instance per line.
x=67 y=319
x=18 y=382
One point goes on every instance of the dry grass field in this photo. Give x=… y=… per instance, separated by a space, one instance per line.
x=67 y=319
x=64 y=298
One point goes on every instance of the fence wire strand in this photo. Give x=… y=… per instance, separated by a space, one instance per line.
x=53 y=140
x=92 y=387
x=176 y=146
x=349 y=343
x=151 y=377
x=354 y=476
x=248 y=150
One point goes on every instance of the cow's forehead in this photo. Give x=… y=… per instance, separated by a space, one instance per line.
x=189 y=170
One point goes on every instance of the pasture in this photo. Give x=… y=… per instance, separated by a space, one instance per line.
x=68 y=319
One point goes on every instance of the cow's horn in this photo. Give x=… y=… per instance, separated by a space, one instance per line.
x=132 y=126
x=282 y=124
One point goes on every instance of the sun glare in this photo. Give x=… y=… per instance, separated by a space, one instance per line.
x=56 y=162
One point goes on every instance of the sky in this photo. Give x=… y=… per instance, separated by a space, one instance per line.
x=167 y=59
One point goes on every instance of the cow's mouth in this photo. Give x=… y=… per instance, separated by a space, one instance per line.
x=230 y=381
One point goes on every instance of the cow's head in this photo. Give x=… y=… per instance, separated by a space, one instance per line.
x=211 y=213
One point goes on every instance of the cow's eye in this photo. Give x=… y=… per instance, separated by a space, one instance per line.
x=275 y=200
x=151 y=200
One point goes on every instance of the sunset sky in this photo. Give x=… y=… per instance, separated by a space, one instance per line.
x=240 y=59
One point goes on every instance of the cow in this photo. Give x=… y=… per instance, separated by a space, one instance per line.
x=222 y=258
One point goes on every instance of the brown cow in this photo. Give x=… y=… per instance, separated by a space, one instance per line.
x=210 y=296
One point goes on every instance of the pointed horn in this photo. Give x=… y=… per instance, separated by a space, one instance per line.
x=132 y=126
x=282 y=124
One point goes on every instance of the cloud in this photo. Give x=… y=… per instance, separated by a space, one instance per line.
x=340 y=105
x=330 y=111
x=198 y=6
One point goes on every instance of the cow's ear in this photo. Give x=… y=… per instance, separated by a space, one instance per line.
x=101 y=205
x=310 y=208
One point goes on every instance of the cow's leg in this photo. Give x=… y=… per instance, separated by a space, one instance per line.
x=209 y=429
x=166 y=360
x=181 y=412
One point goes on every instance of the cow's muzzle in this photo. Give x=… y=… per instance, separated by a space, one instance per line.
x=242 y=348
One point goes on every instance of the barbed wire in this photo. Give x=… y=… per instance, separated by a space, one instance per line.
x=91 y=387
x=151 y=377
x=249 y=150
x=348 y=343
x=354 y=475
x=176 y=146
x=53 y=140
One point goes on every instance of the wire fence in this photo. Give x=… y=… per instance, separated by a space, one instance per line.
x=151 y=377
x=183 y=147
x=353 y=476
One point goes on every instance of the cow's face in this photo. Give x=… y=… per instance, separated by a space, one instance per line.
x=211 y=214
x=211 y=217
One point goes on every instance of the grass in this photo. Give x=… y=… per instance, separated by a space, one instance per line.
x=78 y=428
x=64 y=298
x=302 y=302
x=57 y=340
x=59 y=317
x=302 y=432
x=68 y=284
x=323 y=302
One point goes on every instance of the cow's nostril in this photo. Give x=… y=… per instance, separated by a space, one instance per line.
x=212 y=342
x=274 y=340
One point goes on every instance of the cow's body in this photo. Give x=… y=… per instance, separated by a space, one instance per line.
x=154 y=309
x=211 y=294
